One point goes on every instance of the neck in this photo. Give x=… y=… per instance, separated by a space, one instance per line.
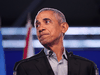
x=57 y=48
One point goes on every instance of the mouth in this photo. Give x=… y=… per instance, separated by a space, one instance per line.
x=43 y=34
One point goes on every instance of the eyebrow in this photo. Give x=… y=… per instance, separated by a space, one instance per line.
x=45 y=19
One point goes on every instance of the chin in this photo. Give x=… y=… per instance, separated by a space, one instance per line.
x=45 y=43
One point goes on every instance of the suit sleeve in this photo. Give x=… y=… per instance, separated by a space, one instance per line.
x=21 y=70
x=92 y=69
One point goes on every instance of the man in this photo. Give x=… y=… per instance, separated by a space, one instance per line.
x=51 y=26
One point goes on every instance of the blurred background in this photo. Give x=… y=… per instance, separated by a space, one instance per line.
x=82 y=37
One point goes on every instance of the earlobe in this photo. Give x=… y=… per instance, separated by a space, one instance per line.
x=65 y=27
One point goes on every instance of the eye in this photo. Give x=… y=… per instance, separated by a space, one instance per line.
x=37 y=25
x=47 y=21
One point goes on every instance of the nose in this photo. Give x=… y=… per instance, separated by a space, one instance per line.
x=41 y=29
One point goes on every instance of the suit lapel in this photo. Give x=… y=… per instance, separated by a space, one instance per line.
x=73 y=64
x=43 y=65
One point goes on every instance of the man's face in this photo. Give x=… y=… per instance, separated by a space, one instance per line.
x=48 y=28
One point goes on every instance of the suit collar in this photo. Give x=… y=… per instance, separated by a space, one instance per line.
x=73 y=64
x=43 y=65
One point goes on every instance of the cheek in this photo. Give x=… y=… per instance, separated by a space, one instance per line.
x=54 y=31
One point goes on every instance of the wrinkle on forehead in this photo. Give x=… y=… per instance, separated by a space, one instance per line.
x=57 y=16
x=52 y=13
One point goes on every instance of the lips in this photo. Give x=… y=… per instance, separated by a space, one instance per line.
x=42 y=34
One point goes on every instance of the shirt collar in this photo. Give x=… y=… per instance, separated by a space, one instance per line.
x=46 y=51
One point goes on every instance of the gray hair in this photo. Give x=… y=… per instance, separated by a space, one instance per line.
x=61 y=16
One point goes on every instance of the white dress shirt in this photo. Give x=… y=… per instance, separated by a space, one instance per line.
x=59 y=68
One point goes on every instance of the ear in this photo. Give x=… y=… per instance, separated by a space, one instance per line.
x=64 y=26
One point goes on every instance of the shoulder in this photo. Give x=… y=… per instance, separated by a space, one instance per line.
x=85 y=64
x=80 y=59
x=83 y=60
x=28 y=61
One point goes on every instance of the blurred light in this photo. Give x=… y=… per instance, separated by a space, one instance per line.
x=67 y=43
x=71 y=31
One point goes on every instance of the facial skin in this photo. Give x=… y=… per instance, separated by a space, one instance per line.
x=49 y=31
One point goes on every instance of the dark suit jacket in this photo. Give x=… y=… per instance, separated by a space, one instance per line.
x=39 y=65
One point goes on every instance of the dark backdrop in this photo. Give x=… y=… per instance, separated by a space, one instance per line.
x=77 y=12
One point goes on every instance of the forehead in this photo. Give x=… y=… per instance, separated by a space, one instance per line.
x=45 y=14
